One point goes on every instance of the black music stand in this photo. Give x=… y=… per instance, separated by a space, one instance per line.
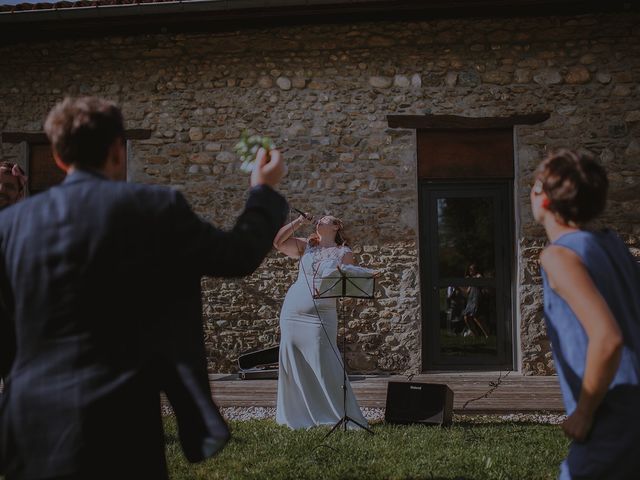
x=342 y=286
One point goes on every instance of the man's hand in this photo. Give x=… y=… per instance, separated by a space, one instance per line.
x=267 y=169
x=577 y=426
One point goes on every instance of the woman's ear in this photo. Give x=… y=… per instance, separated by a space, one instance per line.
x=61 y=165
x=116 y=164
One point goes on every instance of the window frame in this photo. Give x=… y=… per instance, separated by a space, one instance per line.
x=30 y=139
x=430 y=282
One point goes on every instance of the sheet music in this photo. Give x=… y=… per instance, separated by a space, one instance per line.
x=359 y=282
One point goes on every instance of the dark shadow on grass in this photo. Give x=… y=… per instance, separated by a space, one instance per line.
x=429 y=477
x=450 y=478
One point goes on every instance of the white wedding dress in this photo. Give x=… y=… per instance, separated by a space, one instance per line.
x=310 y=372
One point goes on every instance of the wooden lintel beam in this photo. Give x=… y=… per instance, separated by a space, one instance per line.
x=423 y=122
x=40 y=137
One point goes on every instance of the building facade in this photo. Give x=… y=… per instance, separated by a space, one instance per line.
x=368 y=114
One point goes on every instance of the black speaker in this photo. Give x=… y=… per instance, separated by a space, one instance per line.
x=424 y=403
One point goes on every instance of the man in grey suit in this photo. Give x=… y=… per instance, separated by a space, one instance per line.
x=102 y=285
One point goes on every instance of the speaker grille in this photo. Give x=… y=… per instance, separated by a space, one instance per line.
x=425 y=403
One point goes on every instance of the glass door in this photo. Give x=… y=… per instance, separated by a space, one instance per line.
x=466 y=258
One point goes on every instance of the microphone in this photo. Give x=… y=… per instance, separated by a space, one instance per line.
x=308 y=217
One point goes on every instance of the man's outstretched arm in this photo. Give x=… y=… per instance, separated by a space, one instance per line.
x=239 y=251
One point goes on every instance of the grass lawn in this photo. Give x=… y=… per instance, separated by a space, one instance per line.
x=261 y=449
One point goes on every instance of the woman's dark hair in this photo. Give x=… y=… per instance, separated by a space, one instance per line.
x=575 y=184
x=471 y=266
x=81 y=130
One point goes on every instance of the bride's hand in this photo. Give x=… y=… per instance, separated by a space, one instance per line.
x=306 y=219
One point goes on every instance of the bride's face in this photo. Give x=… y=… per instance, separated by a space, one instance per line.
x=327 y=226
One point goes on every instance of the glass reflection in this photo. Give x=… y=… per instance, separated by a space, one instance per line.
x=465 y=236
x=468 y=320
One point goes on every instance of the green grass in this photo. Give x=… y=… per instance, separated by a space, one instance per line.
x=261 y=449
x=456 y=345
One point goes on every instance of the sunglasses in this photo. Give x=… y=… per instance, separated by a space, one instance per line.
x=537 y=187
x=327 y=221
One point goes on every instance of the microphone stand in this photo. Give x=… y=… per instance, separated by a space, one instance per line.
x=359 y=293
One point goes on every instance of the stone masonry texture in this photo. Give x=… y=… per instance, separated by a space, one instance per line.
x=323 y=94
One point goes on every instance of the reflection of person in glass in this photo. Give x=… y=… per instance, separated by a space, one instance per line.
x=470 y=313
x=455 y=304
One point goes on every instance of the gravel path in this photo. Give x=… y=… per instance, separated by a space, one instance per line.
x=376 y=415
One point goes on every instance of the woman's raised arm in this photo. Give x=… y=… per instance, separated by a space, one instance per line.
x=286 y=243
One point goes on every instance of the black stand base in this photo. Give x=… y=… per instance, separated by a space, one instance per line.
x=343 y=421
x=346 y=418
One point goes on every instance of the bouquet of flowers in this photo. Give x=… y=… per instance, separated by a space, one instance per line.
x=247 y=148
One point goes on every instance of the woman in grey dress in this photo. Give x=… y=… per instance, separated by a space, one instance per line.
x=310 y=372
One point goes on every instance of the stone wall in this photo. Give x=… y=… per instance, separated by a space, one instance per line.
x=323 y=93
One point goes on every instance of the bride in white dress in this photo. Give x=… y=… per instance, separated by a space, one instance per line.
x=310 y=372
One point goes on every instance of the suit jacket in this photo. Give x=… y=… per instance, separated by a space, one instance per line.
x=102 y=286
